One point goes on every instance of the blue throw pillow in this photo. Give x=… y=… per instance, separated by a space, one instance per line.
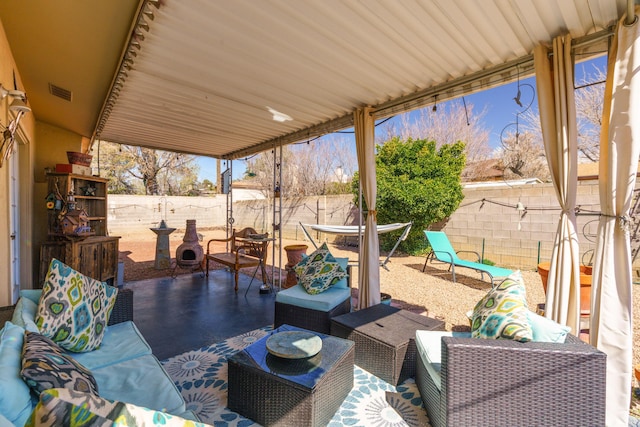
x=547 y=330
x=15 y=400
x=344 y=282
x=24 y=314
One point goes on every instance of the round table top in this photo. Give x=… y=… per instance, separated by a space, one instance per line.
x=294 y=344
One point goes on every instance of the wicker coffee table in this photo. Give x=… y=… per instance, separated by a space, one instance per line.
x=276 y=391
x=385 y=339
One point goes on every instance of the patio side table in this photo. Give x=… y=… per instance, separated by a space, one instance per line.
x=384 y=338
x=283 y=392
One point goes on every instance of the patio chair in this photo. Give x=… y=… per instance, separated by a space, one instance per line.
x=240 y=255
x=485 y=382
x=295 y=307
x=442 y=251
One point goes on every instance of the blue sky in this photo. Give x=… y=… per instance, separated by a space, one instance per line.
x=500 y=108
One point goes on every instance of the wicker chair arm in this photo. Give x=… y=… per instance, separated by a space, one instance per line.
x=123 y=308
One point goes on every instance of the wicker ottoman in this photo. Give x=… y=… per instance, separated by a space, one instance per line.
x=281 y=392
x=385 y=339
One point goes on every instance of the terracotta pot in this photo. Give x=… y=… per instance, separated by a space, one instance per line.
x=294 y=256
x=585 y=284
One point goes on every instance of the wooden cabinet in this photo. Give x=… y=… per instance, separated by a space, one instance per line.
x=79 y=241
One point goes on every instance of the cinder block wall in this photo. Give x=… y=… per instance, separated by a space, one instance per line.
x=489 y=223
x=487 y=220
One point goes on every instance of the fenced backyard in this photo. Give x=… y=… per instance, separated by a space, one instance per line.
x=510 y=226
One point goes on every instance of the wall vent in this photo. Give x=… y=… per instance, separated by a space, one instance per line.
x=60 y=92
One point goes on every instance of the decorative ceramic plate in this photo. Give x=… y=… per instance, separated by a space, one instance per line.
x=294 y=344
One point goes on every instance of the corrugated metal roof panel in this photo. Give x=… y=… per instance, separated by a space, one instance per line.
x=207 y=70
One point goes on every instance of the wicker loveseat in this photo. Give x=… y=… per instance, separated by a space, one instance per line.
x=487 y=382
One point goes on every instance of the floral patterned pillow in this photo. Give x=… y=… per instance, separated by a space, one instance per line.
x=503 y=312
x=319 y=271
x=45 y=366
x=74 y=309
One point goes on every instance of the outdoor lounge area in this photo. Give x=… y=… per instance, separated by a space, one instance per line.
x=233 y=80
x=194 y=325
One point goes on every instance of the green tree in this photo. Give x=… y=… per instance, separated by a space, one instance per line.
x=416 y=182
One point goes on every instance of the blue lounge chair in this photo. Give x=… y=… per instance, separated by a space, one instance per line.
x=442 y=250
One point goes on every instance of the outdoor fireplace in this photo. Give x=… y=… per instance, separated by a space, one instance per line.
x=190 y=253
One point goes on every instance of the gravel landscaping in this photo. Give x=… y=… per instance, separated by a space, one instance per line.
x=431 y=292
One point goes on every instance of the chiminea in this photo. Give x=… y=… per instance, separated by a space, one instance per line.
x=190 y=253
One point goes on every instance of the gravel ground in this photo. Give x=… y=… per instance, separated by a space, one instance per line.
x=431 y=292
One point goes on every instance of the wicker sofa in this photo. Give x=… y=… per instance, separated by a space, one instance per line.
x=485 y=382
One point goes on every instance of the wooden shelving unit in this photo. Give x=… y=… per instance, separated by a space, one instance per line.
x=89 y=250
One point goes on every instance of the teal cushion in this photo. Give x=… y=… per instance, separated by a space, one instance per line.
x=429 y=346
x=122 y=341
x=502 y=313
x=547 y=330
x=141 y=381
x=44 y=366
x=24 y=314
x=15 y=397
x=324 y=301
x=344 y=282
x=74 y=309
x=319 y=271
x=32 y=294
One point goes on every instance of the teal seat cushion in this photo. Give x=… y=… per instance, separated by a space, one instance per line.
x=324 y=301
x=121 y=342
x=15 y=396
x=429 y=346
x=141 y=381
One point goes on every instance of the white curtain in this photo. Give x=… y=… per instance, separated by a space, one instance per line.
x=369 y=267
x=611 y=304
x=554 y=80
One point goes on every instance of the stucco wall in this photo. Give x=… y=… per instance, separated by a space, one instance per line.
x=24 y=149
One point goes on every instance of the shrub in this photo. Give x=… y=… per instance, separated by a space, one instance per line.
x=416 y=182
